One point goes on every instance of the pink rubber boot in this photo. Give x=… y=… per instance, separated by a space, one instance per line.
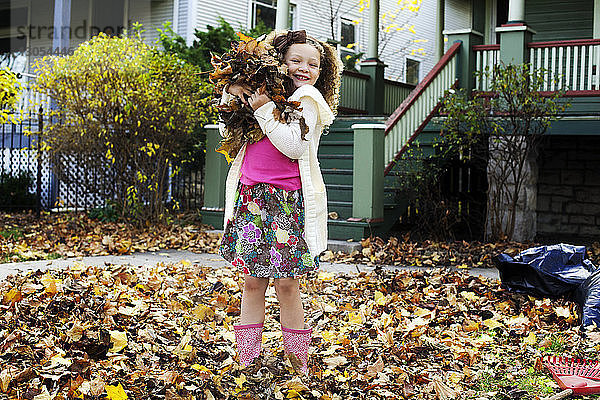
x=249 y=340
x=296 y=341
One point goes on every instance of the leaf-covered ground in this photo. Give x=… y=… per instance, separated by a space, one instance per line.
x=23 y=237
x=165 y=332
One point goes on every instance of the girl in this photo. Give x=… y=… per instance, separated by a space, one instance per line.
x=275 y=200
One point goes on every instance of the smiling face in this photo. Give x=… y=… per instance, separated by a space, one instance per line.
x=304 y=62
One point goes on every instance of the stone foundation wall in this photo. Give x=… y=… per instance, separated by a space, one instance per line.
x=568 y=200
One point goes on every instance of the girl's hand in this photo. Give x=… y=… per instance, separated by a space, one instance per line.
x=240 y=90
x=258 y=98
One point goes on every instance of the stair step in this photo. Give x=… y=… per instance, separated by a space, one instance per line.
x=342 y=208
x=337 y=176
x=336 y=192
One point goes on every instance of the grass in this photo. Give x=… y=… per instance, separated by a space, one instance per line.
x=500 y=386
x=11 y=233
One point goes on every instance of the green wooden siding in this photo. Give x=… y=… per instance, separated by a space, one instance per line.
x=560 y=20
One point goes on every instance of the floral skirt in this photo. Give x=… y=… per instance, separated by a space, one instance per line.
x=265 y=236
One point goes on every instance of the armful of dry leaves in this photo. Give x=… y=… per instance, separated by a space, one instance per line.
x=253 y=63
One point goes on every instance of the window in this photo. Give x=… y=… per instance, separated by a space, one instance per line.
x=348 y=37
x=13 y=38
x=412 y=71
x=501 y=15
x=107 y=17
x=265 y=11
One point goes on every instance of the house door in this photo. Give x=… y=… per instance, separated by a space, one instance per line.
x=497 y=11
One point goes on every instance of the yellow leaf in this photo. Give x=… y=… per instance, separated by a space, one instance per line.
x=380 y=298
x=325 y=276
x=226 y=154
x=470 y=326
x=115 y=392
x=531 y=339
x=492 y=324
x=185 y=263
x=469 y=296
x=51 y=285
x=355 y=318
x=292 y=394
x=13 y=296
x=240 y=380
x=119 y=341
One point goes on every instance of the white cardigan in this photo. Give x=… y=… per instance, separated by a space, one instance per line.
x=287 y=139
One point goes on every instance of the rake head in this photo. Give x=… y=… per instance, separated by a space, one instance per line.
x=581 y=376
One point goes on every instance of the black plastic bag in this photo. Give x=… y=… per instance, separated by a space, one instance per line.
x=554 y=271
x=587 y=296
x=545 y=271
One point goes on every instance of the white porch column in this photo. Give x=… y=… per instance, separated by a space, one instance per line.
x=596 y=19
x=440 y=19
x=282 y=18
x=516 y=11
x=372 y=50
x=62 y=25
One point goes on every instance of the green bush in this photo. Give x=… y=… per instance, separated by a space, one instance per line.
x=126 y=110
x=216 y=40
x=14 y=191
x=9 y=91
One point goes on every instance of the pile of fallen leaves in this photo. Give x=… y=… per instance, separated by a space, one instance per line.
x=24 y=237
x=459 y=254
x=165 y=332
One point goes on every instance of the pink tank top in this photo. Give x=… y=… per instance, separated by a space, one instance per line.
x=264 y=163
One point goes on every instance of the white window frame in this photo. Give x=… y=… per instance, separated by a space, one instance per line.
x=406 y=59
x=355 y=48
x=251 y=11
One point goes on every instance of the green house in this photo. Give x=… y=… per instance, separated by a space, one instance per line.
x=563 y=187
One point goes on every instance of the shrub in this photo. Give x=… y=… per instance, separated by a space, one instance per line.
x=14 y=191
x=125 y=112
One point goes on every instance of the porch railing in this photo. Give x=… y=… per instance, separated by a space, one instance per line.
x=415 y=112
x=570 y=64
x=395 y=93
x=352 y=90
x=486 y=56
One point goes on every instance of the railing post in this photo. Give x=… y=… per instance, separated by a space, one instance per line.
x=367 y=187
x=514 y=39
x=215 y=174
x=375 y=97
x=466 y=60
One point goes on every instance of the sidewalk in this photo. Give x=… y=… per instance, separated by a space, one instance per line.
x=205 y=259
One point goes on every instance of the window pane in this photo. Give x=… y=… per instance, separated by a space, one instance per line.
x=108 y=17
x=412 y=71
x=13 y=18
x=348 y=33
x=265 y=14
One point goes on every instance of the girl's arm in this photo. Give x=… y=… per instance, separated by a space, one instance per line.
x=287 y=138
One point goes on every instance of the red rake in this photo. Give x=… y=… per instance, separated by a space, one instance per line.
x=580 y=376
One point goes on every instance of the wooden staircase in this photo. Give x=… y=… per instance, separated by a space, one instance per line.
x=408 y=126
